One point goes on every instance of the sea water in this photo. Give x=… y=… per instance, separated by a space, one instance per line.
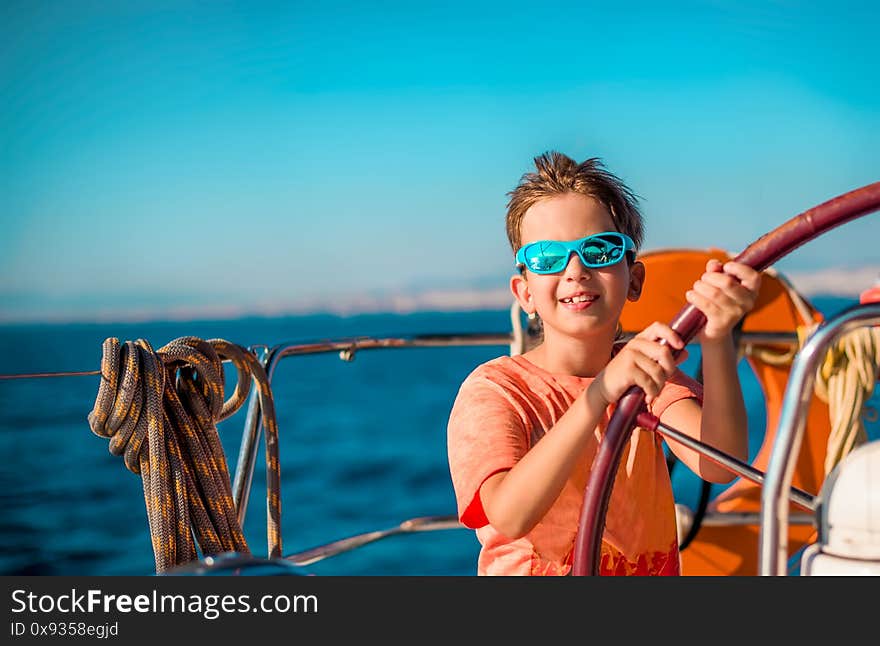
x=362 y=444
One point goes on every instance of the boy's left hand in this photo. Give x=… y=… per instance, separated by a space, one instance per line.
x=724 y=294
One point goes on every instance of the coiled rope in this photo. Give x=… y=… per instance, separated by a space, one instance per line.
x=845 y=381
x=160 y=410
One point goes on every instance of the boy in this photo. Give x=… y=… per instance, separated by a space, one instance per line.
x=524 y=429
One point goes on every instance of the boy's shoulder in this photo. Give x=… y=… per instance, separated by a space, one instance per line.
x=505 y=365
x=505 y=371
x=512 y=373
x=498 y=379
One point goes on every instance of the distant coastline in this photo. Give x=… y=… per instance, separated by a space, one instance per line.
x=835 y=283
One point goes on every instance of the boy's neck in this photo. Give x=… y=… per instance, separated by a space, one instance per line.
x=576 y=357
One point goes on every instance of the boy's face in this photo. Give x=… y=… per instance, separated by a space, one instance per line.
x=577 y=301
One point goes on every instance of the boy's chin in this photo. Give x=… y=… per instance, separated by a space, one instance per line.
x=578 y=326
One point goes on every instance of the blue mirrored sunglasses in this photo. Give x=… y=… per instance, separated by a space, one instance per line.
x=551 y=256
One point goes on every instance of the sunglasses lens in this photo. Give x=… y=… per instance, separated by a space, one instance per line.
x=546 y=257
x=605 y=250
x=550 y=256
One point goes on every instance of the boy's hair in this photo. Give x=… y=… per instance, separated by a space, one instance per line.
x=558 y=174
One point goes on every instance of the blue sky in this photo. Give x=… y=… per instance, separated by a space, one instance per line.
x=253 y=156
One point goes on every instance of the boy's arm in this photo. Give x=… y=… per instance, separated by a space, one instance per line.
x=722 y=421
x=515 y=500
x=725 y=293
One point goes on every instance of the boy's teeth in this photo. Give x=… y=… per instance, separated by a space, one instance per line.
x=583 y=298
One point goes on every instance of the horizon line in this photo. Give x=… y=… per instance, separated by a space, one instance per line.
x=829 y=283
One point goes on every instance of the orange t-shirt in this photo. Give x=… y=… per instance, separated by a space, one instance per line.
x=502 y=408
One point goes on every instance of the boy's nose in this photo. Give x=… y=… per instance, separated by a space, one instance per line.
x=575 y=269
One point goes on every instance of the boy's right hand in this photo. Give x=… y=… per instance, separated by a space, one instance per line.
x=644 y=362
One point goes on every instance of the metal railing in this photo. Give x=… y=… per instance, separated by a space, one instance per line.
x=347 y=348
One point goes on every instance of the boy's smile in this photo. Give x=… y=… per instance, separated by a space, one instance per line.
x=578 y=301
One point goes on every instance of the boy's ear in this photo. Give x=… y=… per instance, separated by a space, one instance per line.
x=636 y=280
x=519 y=286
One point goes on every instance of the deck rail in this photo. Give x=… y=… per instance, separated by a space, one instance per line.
x=347 y=348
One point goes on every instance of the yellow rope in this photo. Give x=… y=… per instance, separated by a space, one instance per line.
x=845 y=381
x=769 y=355
x=160 y=409
x=775 y=355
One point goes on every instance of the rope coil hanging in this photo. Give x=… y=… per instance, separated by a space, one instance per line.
x=845 y=381
x=160 y=410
